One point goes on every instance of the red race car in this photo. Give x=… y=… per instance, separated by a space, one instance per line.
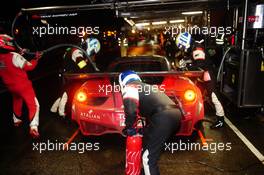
x=97 y=106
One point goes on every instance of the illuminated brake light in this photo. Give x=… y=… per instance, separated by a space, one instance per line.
x=189 y=95
x=81 y=96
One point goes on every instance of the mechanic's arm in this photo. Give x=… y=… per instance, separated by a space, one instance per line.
x=130 y=101
x=20 y=62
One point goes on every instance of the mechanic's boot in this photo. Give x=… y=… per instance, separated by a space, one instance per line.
x=55 y=106
x=17 y=121
x=219 y=123
x=34 y=132
x=62 y=104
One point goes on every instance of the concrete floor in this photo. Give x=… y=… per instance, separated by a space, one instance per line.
x=18 y=157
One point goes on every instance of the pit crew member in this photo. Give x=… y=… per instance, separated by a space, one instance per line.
x=13 y=71
x=74 y=62
x=161 y=113
x=184 y=41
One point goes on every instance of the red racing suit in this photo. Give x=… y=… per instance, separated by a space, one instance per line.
x=13 y=69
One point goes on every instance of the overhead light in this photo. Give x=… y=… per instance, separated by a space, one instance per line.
x=142 y=24
x=125 y=13
x=192 y=13
x=130 y=21
x=159 y=22
x=43 y=21
x=177 y=21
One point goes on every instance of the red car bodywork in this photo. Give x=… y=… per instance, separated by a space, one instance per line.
x=102 y=112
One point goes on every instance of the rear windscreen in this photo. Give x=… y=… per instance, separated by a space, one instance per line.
x=139 y=67
x=146 y=79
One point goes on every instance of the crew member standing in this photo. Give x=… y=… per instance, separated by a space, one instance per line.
x=199 y=60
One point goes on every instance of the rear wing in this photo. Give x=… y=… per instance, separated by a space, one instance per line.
x=83 y=76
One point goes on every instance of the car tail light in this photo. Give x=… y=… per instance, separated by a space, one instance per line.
x=81 y=96
x=189 y=95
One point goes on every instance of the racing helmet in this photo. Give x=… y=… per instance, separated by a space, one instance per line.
x=6 y=42
x=127 y=77
x=92 y=46
x=183 y=41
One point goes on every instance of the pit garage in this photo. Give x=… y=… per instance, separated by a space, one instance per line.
x=82 y=47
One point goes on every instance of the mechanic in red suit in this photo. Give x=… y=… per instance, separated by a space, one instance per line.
x=74 y=61
x=161 y=113
x=13 y=67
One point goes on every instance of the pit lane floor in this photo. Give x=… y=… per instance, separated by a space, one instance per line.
x=105 y=155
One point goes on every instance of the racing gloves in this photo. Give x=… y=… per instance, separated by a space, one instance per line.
x=127 y=131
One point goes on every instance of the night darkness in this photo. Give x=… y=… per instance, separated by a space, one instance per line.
x=95 y=103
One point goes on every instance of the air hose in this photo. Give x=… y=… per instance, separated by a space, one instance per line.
x=222 y=63
x=50 y=48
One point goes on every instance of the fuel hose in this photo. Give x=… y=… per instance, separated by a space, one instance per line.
x=52 y=47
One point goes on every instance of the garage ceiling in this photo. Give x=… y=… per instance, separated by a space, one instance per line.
x=136 y=5
x=138 y=10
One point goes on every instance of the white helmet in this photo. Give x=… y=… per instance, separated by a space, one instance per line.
x=183 y=41
x=93 y=46
x=127 y=77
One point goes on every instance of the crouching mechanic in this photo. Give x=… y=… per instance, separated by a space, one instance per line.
x=161 y=114
x=13 y=67
x=74 y=61
x=199 y=60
